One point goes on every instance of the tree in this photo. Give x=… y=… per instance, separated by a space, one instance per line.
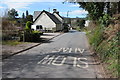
x=80 y=23
x=23 y=16
x=95 y=9
x=28 y=25
x=12 y=14
x=29 y=18
x=27 y=13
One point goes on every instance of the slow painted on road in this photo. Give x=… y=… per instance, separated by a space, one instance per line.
x=66 y=56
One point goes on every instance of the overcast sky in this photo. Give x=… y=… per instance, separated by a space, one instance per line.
x=39 y=5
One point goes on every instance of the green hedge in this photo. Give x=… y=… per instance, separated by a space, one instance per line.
x=31 y=36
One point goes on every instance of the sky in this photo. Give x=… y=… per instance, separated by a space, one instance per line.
x=39 y=5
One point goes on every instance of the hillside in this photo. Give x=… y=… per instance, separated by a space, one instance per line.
x=105 y=43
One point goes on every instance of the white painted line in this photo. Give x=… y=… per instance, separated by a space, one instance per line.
x=58 y=50
x=43 y=59
x=75 y=62
x=46 y=60
x=86 y=64
x=60 y=63
x=81 y=50
x=70 y=50
x=76 y=49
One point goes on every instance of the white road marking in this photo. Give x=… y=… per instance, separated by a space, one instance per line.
x=70 y=50
x=65 y=49
x=81 y=50
x=86 y=64
x=58 y=50
x=76 y=50
x=61 y=61
x=52 y=60
x=75 y=62
x=46 y=59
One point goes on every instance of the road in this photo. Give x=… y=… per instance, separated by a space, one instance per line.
x=66 y=56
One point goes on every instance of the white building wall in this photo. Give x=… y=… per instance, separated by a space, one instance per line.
x=33 y=27
x=45 y=21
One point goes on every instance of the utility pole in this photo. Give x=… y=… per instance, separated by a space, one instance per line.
x=67 y=13
x=49 y=9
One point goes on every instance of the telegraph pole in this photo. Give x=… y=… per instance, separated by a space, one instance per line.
x=67 y=13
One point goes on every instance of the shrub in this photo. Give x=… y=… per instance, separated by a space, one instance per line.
x=32 y=36
x=97 y=37
x=28 y=25
x=104 y=21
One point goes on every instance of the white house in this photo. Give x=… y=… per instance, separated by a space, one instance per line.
x=47 y=21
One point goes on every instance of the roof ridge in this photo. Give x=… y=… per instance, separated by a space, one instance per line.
x=52 y=17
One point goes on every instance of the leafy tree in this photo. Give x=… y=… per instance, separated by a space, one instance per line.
x=29 y=18
x=28 y=25
x=80 y=23
x=27 y=13
x=23 y=16
x=95 y=9
x=12 y=14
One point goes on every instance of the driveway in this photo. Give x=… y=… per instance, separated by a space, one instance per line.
x=65 y=56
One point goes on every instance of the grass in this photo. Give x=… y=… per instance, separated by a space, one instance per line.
x=108 y=50
x=11 y=43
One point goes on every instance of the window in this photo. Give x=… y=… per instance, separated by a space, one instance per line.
x=39 y=27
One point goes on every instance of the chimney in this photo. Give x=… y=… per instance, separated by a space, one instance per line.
x=55 y=11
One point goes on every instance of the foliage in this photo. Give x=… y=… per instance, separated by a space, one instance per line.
x=107 y=49
x=65 y=29
x=104 y=20
x=23 y=16
x=27 y=13
x=97 y=37
x=12 y=14
x=80 y=23
x=29 y=18
x=12 y=42
x=78 y=29
x=28 y=25
x=95 y=9
x=32 y=36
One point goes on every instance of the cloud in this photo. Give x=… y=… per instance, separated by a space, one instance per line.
x=1 y=7
x=19 y=4
x=75 y=12
x=33 y=0
x=74 y=5
x=79 y=12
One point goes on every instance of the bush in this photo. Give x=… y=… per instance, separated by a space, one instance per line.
x=107 y=49
x=78 y=29
x=104 y=21
x=32 y=36
x=65 y=29
x=28 y=25
x=96 y=37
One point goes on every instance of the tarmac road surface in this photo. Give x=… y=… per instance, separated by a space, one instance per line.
x=65 y=56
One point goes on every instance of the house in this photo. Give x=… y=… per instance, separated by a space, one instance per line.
x=47 y=21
